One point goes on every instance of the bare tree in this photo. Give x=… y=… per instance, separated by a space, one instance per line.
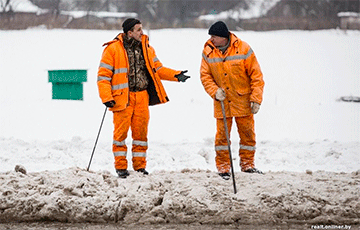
x=55 y=7
x=89 y=5
x=6 y=7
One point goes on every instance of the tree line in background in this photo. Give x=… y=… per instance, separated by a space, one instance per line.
x=164 y=12
x=297 y=14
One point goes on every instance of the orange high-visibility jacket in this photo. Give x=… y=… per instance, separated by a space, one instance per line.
x=113 y=74
x=237 y=72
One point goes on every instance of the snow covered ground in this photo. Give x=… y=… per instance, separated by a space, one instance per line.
x=301 y=125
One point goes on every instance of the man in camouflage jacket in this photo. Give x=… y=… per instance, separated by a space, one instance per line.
x=129 y=80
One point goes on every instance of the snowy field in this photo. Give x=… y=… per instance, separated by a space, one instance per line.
x=302 y=125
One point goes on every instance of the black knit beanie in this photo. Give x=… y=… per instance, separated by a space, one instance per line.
x=219 y=29
x=129 y=23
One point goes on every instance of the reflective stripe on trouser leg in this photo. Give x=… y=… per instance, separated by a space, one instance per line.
x=121 y=120
x=222 y=158
x=246 y=130
x=120 y=152
x=139 y=129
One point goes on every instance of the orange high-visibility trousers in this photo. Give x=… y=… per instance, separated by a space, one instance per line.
x=135 y=115
x=246 y=130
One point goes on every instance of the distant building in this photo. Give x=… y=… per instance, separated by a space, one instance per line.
x=286 y=14
x=96 y=20
x=349 y=20
x=20 y=6
x=239 y=17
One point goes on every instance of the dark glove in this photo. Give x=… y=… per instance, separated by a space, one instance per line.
x=110 y=104
x=181 y=76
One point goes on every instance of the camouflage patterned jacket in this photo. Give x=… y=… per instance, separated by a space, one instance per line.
x=138 y=80
x=114 y=73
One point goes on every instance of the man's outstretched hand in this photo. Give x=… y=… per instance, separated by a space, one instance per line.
x=182 y=77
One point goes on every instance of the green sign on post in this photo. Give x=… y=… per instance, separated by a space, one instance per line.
x=67 y=84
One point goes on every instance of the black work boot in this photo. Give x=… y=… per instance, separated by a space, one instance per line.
x=143 y=171
x=225 y=176
x=122 y=173
x=253 y=170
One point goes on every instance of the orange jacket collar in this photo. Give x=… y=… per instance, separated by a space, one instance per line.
x=234 y=41
x=120 y=36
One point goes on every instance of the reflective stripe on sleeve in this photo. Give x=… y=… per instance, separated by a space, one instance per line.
x=107 y=66
x=246 y=147
x=140 y=143
x=156 y=59
x=120 y=154
x=120 y=86
x=100 y=78
x=221 y=147
x=204 y=56
x=138 y=154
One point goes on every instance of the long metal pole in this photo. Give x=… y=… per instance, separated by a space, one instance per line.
x=228 y=142
x=92 y=154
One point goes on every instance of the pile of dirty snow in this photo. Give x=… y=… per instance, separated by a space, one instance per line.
x=174 y=197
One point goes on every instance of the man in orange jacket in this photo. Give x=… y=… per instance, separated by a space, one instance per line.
x=129 y=80
x=230 y=73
